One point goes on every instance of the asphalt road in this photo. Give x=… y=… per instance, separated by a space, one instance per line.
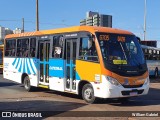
x=13 y=97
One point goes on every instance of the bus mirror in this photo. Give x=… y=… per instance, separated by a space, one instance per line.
x=91 y=36
x=138 y=38
x=90 y=43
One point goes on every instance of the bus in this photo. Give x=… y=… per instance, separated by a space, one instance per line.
x=93 y=62
x=1 y=58
x=152 y=56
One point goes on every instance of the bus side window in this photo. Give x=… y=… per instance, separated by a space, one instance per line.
x=25 y=47
x=57 y=46
x=88 y=50
x=22 y=47
x=18 y=47
x=32 y=47
x=10 y=48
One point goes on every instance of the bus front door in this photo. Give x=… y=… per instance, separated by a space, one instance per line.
x=70 y=81
x=44 y=49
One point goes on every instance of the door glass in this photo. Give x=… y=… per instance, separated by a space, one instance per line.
x=47 y=51
x=68 y=52
x=47 y=74
x=41 y=55
x=73 y=68
x=74 y=78
x=44 y=48
x=74 y=52
x=41 y=73
x=70 y=64
x=68 y=78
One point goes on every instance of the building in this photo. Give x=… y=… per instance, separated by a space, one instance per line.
x=96 y=19
x=5 y=31
x=17 y=30
x=8 y=31
x=2 y=33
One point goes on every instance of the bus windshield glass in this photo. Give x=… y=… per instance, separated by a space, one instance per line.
x=122 y=51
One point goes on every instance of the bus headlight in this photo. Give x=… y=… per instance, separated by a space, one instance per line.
x=113 y=81
x=147 y=81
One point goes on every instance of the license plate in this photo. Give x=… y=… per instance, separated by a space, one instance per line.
x=133 y=93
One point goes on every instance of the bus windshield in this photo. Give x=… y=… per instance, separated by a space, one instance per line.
x=121 y=51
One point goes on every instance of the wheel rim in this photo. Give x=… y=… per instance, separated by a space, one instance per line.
x=26 y=84
x=88 y=94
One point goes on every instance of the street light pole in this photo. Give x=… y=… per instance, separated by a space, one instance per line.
x=22 y=25
x=145 y=14
x=37 y=16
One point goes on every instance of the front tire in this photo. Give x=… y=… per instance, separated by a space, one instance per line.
x=88 y=93
x=27 y=84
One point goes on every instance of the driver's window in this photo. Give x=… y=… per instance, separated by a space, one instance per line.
x=88 y=50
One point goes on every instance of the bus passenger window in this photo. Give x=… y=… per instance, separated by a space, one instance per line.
x=32 y=52
x=88 y=50
x=57 y=47
x=10 y=47
x=22 y=47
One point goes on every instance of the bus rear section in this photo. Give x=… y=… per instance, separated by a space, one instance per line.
x=152 y=56
x=79 y=60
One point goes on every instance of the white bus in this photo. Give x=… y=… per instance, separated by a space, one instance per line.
x=152 y=56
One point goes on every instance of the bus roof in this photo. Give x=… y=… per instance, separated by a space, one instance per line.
x=149 y=47
x=91 y=29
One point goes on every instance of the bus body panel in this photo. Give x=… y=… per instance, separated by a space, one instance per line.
x=18 y=66
x=135 y=80
x=34 y=80
x=56 y=83
x=56 y=68
x=10 y=72
x=56 y=74
x=89 y=71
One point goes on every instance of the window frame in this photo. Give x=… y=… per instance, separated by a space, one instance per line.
x=22 y=38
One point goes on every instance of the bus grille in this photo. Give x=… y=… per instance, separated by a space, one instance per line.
x=132 y=86
x=128 y=92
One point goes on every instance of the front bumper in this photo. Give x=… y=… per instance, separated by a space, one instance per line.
x=107 y=90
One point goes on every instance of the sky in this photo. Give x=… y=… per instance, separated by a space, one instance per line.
x=127 y=14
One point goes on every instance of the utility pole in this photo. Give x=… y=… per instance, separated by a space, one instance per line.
x=145 y=14
x=37 y=16
x=22 y=25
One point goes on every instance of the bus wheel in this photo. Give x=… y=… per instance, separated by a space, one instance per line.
x=88 y=93
x=27 y=85
x=156 y=73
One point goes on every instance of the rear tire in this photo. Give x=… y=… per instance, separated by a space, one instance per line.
x=27 y=84
x=88 y=93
